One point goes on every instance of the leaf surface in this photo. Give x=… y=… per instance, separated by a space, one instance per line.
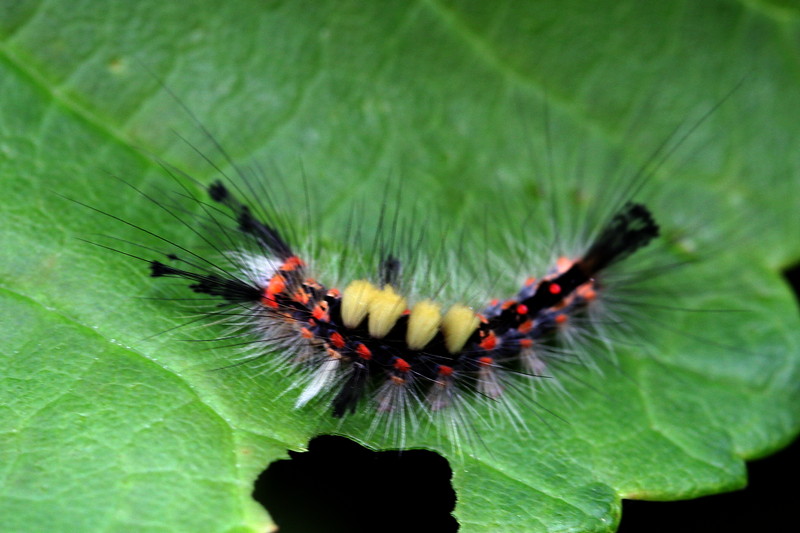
x=104 y=424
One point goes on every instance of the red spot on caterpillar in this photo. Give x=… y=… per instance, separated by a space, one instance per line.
x=489 y=342
x=268 y=300
x=525 y=327
x=292 y=263
x=337 y=340
x=587 y=292
x=333 y=354
x=300 y=296
x=526 y=343
x=485 y=361
x=445 y=370
x=306 y=333
x=530 y=281
x=564 y=263
x=401 y=365
x=554 y=288
x=363 y=352
x=561 y=319
x=320 y=312
x=277 y=284
x=522 y=309
x=312 y=283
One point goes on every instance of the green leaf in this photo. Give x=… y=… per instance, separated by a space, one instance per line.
x=106 y=425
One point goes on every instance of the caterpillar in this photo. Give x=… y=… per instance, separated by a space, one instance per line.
x=369 y=331
x=368 y=346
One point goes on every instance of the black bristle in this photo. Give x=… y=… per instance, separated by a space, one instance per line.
x=346 y=401
x=267 y=236
x=218 y=192
x=630 y=229
x=390 y=270
x=232 y=290
x=158 y=269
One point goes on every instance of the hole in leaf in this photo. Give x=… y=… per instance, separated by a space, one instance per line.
x=338 y=486
x=792 y=275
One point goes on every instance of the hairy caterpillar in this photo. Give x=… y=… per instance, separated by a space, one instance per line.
x=369 y=331
x=368 y=345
